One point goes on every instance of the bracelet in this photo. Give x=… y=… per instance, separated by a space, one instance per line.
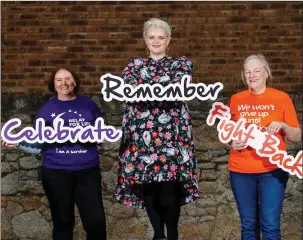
x=229 y=143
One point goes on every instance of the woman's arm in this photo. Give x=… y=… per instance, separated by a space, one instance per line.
x=32 y=148
x=293 y=134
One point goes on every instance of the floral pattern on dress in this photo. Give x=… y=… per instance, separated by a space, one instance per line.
x=157 y=143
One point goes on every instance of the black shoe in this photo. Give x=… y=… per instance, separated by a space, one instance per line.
x=157 y=238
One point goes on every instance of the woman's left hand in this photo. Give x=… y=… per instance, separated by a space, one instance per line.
x=275 y=127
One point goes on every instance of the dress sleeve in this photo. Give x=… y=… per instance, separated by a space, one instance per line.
x=131 y=73
x=180 y=67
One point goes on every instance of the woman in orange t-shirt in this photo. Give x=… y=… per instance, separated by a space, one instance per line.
x=257 y=184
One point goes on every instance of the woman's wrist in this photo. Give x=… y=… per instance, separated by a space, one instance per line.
x=229 y=143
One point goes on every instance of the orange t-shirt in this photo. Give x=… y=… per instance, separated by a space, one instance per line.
x=260 y=109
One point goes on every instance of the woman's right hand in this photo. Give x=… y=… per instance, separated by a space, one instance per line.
x=238 y=145
x=9 y=145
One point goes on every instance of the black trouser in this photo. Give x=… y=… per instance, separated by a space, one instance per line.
x=65 y=188
x=162 y=203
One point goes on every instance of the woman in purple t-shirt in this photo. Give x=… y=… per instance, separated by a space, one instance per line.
x=70 y=171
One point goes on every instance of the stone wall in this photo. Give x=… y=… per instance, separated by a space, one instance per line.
x=24 y=207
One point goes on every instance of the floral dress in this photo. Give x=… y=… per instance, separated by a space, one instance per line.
x=157 y=142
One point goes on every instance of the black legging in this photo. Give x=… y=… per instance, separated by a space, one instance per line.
x=64 y=189
x=162 y=202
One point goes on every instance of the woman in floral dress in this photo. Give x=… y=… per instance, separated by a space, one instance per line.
x=157 y=165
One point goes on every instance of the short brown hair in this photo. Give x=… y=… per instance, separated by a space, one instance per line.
x=51 y=85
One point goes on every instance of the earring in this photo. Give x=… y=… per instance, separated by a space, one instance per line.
x=147 y=52
x=166 y=50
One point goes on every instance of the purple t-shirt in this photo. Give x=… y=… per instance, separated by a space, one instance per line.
x=70 y=156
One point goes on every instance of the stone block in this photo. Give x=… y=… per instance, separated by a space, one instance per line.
x=222 y=159
x=9 y=184
x=120 y=211
x=30 y=186
x=31 y=202
x=31 y=225
x=196 y=231
x=107 y=163
x=109 y=181
x=6 y=228
x=206 y=165
x=29 y=162
x=13 y=209
x=227 y=224
x=5 y=167
x=208 y=174
x=129 y=229
x=11 y=157
x=208 y=187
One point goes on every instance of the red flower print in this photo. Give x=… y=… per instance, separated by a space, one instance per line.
x=155 y=111
x=130 y=166
x=158 y=142
x=162 y=158
x=133 y=148
x=156 y=79
x=156 y=168
x=154 y=135
x=141 y=166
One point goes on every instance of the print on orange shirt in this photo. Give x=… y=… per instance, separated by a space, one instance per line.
x=266 y=145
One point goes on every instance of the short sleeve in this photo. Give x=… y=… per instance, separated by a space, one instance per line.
x=43 y=113
x=290 y=115
x=96 y=110
x=131 y=73
x=230 y=104
x=180 y=67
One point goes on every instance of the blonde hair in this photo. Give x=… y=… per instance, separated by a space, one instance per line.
x=263 y=60
x=158 y=23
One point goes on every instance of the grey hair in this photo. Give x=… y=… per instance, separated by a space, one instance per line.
x=263 y=60
x=158 y=23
